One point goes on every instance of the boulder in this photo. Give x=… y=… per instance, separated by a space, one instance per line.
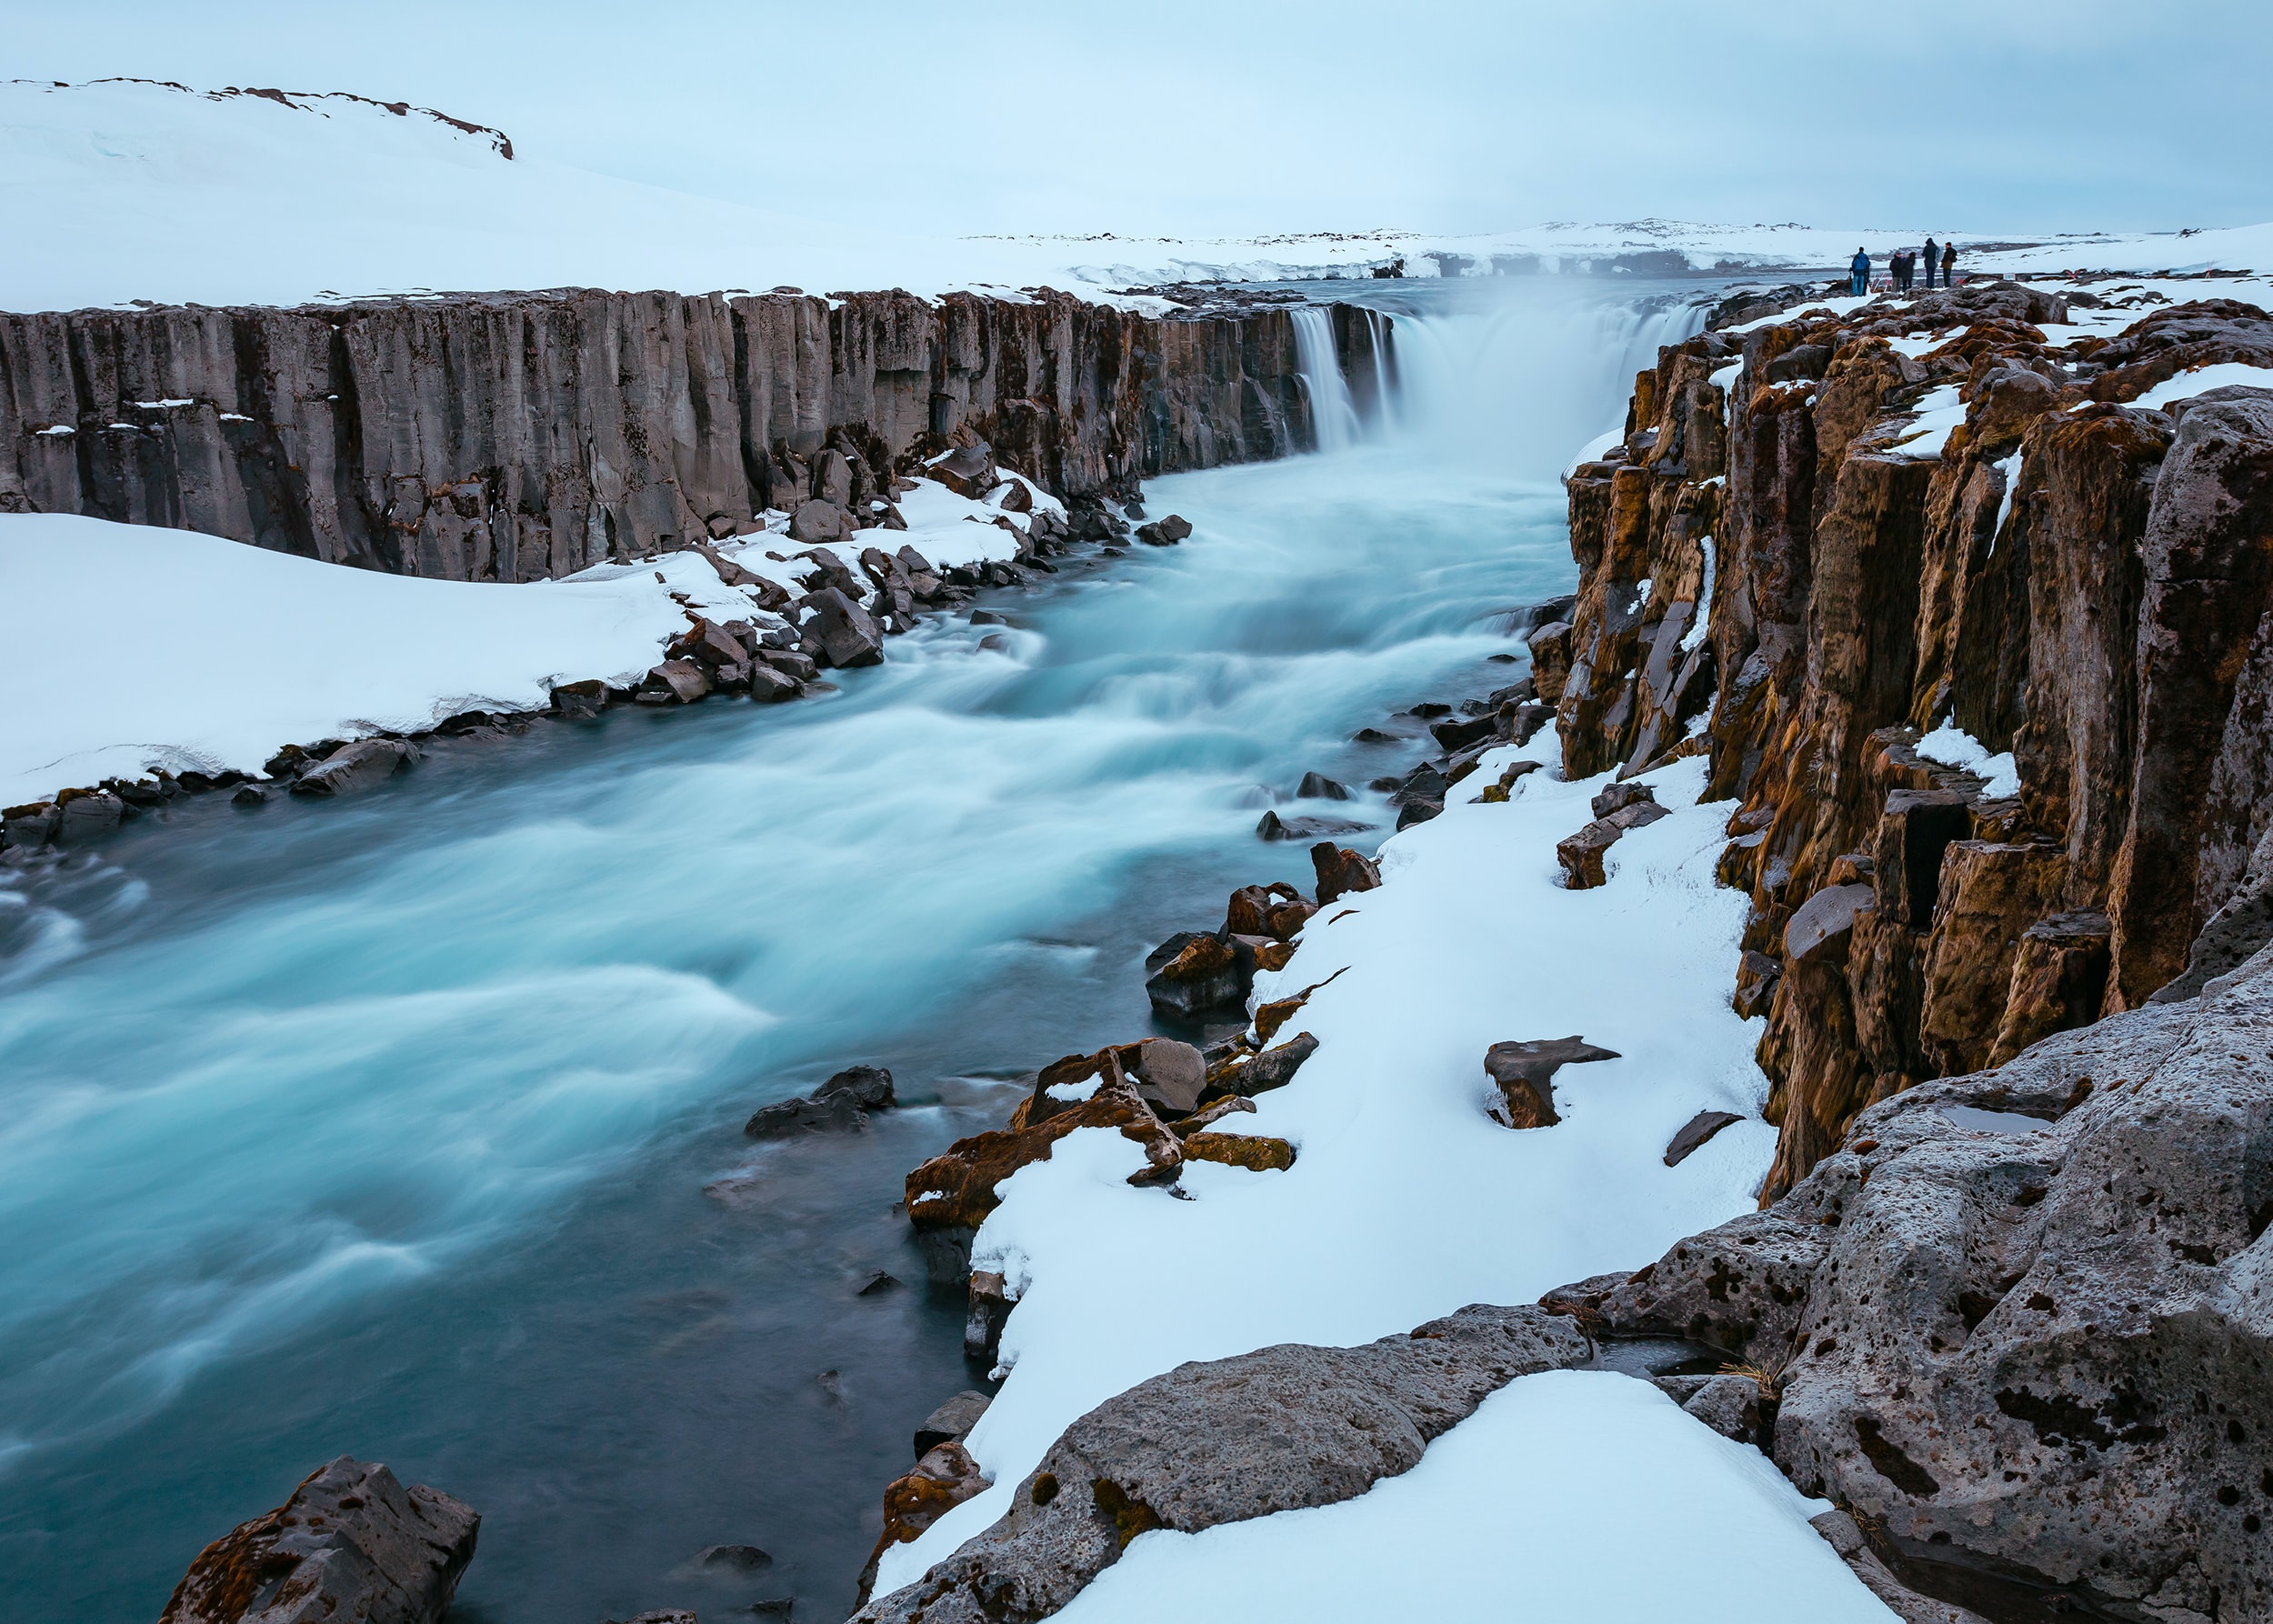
x=1730 y=1405
x=1276 y=1067
x=353 y=769
x=1821 y=927
x=848 y=633
x=1316 y=786
x=80 y=817
x=770 y=685
x=674 y=682
x=30 y=827
x=1207 y=1444
x=1274 y=910
x=1695 y=1133
x=1169 y=1076
x=951 y=1421
x=1195 y=971
x=580 y=701
x=1457 y=732
x=818 y=521
x=351 y=1543
x=833 y=478
x=967 y=471
x=1616 y=798
x=1164 y=532
x=736 y=1559
x=792 y=663
x=2020 y=1317
x=1341 y=871
x=710 y=644
x=943 y=1479
x=1272 y=826
x=1525 y=1073
x=841 y=1105
x=1016 y=497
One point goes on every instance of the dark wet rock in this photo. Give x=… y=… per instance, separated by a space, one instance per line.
x=356 y=768
x=1275 y=1067
x=736 y=1559
x=1341 y=871
x=1525 y=1073
x=841 y=1105
x=2232 y=935
x=1164 y=532
x=769 y=684
x=818 y=521
x=1840 y=1531
x=351 y=1543
x=675 y=682
x=1272 y=826
x=1425 y=782
x=952 y=1421
x=987 y=617
x=1194 y=972
x=1616 y=798
x=1756 y=976
x=1207 y=1444
x=1373 y=736
x=580 y=701
x=879 y=1284
x=847 y=632
x=252 y=794
x=1426 y=708
x=1457 y=732
x=1277 y=910
x=1419 y=809
x=1255 y=1153
x=967 y=471
x=1318 y=786
x=1696 y=1133
x=31 y=827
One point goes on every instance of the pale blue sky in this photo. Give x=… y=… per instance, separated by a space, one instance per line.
x=1218 y=115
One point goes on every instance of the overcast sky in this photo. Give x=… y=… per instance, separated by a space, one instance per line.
x=1237 y=116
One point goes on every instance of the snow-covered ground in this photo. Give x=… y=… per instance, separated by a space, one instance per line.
x=133 y=648
x=1408 y=1202
x=261 y=201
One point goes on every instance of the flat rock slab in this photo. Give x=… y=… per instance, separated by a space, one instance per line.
x=1695 y=1132
x=1525 y=1072
x=1274 y=1431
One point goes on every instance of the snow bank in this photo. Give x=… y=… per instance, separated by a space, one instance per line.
x=1536 y=1507
x=1407 y=1202
x=2201 y=380
x=129 y=647
x=1952 y=745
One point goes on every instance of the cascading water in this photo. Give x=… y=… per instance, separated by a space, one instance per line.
x=1332 y=410
x=409 y=1127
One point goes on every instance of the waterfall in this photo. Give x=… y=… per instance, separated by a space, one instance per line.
x=1331 y=409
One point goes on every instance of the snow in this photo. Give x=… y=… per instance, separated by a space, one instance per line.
x=283 y=202
x=2201 y=380
x=1406 y=1201
x=152 y=647
x=1937 y=414
x=2010 y=470
x=1952 y=746
x=1702 y=626
x=1536 y=1507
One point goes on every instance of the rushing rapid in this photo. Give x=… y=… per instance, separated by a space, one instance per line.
x=409 y=1127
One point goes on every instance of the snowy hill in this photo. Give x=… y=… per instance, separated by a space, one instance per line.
x=136 y=190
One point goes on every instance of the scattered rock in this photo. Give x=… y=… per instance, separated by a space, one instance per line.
x=1257 y=1153
x=848 y=633
x=1525 y=1072
x=252 y=794
x=840 y=1105
x=742 y=1559
x=818 y=521
x=1277 y=910
x=771 y=685
x=354 y=768
x=350 y=1543
x=1373 y=736
x=1195 y=971
x=1271 y=827
x=580 y=701
x=674 y=682
x=1164 y=532
x=1581 y=854
x=1341 y=871
x=943 y=1479
x=1695 y=1132
x=1457 y=732
x=879 y=1284
x=1276 y=1067
x=1616 y=798
x=1318 y=786
x=1169 y=1075
x=968 y=470
x=952 y=1421
x=1207 y=1444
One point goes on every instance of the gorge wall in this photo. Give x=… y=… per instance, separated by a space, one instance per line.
x=1780 y=569
x=512 y=437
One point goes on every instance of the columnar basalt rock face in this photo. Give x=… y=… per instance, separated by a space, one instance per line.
x=2082 y=582
x=514 y=436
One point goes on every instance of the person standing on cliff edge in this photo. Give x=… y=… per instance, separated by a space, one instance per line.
x=1929 y=265
x=1858 y=275
x=1948 y=263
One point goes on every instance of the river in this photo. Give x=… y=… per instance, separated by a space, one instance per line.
x=410 y=1127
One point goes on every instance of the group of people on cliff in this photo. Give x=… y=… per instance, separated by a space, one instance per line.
x=1902 y=267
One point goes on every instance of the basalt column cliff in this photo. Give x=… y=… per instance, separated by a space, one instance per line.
x=2015 y=1321
x=512 y=437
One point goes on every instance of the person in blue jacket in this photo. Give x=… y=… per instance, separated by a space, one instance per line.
x=1858 y=275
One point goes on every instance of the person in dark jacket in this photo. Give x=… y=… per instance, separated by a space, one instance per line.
x=1948 y=263
x=1905 y=267
x=1858 y=275
x=1929 y=265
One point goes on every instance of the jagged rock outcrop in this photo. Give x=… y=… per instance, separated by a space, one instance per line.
x=2085 y=584
x=512 y=437
x=2020 y=1320
x=351 y=1543
x=1225 y=1441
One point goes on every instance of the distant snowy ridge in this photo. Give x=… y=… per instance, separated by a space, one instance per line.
x=274 y=197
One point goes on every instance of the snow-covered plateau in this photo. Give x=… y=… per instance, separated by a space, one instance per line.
x=273 y=198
